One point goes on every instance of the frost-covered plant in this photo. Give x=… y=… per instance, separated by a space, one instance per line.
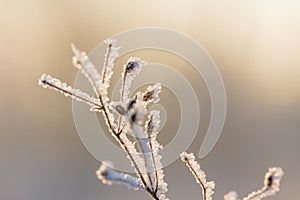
x=130 y=114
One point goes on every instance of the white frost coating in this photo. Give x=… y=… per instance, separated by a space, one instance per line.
x=112 y=52
x=271 y=185
x=108 y=175
x=143 y=143
x=49 y=82
x=81 y=61
x=151 y=128
x=199 y=174
x=136 y=121
x=131 y=69
x=232 y=195
x=137 y=162
x=152 y=125
x=151 y=93
x=270 y=188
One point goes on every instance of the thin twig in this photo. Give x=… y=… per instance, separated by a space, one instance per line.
x=152 y=155
x=106 y=62
x=71 y=94
x=117 y=136
x=92 y=82
x=198 y=178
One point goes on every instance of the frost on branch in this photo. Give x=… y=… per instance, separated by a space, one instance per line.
x=271 y=185
x=48 y=82
x=151 y=94
x=143 y=149
x=131 y=69
x=112 y=52
x=151 y=128
x=82 y=62
x=108 y=175
x=270 y=188
x=148 y=161
x=136 y=120
x=199 y=174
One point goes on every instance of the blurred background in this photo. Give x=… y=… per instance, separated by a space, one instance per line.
x=255 y=45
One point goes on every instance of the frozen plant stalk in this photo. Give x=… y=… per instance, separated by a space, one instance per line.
x=270 y=188
x=207 y=187
x=130 y=114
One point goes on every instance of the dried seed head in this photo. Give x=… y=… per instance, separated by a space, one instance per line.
x=148 y=95
x=271 y=185
x=130 y=66
x=151 y=93
x=120 y=110
x=131 y=69
x=273 y=178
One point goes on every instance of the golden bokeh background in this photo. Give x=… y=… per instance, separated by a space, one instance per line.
x=255 y=44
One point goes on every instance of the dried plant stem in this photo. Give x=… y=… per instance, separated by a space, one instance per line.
x=105 y=112
x=199 y=174
x=121 y=99
x=119 y=139
x=271 y=184
x=143 y=143
x=198 y=179
x=146 y=164
x=259 y=193
x=92 y=82
x=152 y=193
x=152 y=154
x=73 y=95
x=123 y=86
x=106 y=61
x=84 y=65
x=154 y=165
